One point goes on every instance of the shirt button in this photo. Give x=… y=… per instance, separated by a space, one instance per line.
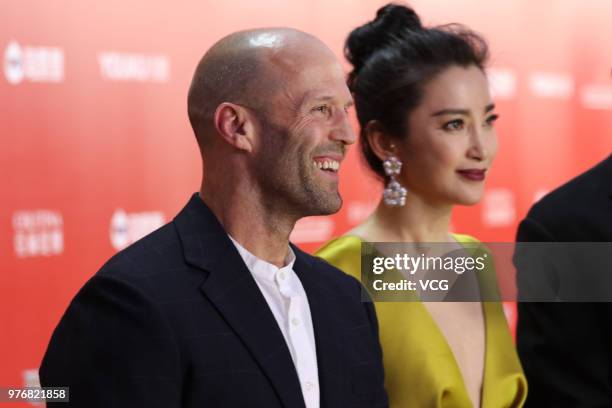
x=295 y=321
x=281 y=275
x=309 y=385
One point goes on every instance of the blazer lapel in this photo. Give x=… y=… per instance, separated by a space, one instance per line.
x=328 y=332
x=231 y=288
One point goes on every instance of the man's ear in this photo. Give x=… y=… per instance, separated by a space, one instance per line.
x=381 y=143
x=234 y=124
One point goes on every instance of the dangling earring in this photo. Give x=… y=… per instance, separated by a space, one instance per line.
x=394 y=194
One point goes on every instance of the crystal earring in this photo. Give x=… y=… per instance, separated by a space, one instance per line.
x=394 y=194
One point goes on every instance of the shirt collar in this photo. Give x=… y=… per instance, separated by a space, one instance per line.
x=263 y=269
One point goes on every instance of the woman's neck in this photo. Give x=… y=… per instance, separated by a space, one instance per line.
x=417 y=221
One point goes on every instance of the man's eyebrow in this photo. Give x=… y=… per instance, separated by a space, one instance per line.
x=322 y=98
x=327 y=98
x=464 y=112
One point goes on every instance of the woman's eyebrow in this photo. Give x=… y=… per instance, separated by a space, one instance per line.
x=442 y=112
x=464 y=112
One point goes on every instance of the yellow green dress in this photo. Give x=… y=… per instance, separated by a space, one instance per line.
x=420 y=367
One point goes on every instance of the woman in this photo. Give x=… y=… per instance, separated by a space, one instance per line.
x=426 y=118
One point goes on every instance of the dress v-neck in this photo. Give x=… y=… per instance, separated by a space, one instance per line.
x=414 y=344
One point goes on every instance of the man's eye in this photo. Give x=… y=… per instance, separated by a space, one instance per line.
x=322 y=109
x=456 y=124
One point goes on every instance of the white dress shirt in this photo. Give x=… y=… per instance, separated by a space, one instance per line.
x=287 y=300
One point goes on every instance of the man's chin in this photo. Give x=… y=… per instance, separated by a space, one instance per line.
x=327 y=206
x=331 y=206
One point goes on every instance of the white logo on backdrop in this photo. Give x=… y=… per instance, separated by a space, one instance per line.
x=126 y=228
x=31 y=379
x=116 y=66
x=38 y=233
x=360 y=210
x=502 y=82
x=539 y=194
x=498 y=208
x=312 y=229
x=13 y=63
x=553 y=85
x=596 y=96
x=36 y=64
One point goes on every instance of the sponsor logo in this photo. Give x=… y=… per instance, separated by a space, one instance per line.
x=38 y=233
x=35 y=64
x=312 y=229
x=551 y=85
x=360 y=210
x=539 y=194
x=596 y=96
x=31 y=379
x=126 y=228
x=117 y=66
x=498 y=208
x=502 y=82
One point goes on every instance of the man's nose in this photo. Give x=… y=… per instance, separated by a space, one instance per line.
x=344 y=132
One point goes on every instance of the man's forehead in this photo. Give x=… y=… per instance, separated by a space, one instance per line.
x=303 y=70
x=291 y=61
x=307 y=74
x=323 y=83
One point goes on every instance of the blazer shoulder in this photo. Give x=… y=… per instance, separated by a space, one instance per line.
x=577 y=195
x=158 y=251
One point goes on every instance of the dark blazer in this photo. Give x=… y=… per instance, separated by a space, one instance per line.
x=177 y=320
x=566 y=348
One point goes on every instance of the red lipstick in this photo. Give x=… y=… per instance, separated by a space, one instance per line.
x=472 y=174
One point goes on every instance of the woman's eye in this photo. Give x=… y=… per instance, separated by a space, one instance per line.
x=491 y=120
x=456 y=124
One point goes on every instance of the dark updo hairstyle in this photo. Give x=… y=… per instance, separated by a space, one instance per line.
x=393 y=57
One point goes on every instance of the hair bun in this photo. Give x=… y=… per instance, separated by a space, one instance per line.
x=395 y=18
x=391 y=22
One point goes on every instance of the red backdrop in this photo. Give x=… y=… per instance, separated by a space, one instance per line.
x=97 y=150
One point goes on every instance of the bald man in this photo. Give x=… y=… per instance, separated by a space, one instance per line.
x=217 y=308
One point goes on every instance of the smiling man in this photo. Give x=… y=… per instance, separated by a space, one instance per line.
x=217 y=308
